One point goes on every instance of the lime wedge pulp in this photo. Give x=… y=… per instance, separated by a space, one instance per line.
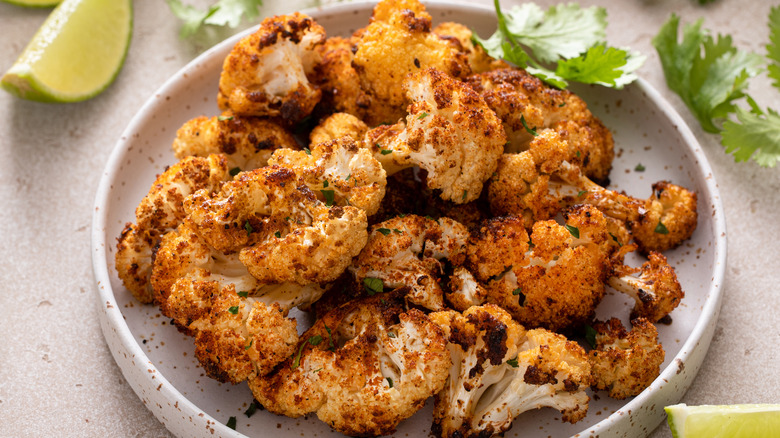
x=722 y=421
x=76 y=53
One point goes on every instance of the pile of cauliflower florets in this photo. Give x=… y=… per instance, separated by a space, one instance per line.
x=443 y=219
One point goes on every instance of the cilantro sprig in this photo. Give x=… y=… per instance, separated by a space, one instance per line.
x=221 y=13
x=710 y=74
x=564 y=43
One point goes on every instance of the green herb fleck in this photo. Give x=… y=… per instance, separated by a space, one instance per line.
x=384 y=231
x=661 y=228
x=639 y=168
x=278 y=234
x=243 y=294
x=235 y=171
x=615 y=239
x=386 y=151
x=390 y=335
x=590 y=336
x=251 y=409
x=314 y=340
x=373 y=285
x=330 y=339
x=465 y=195
x=525 y=125
x=231 y=423
x=422 y=116
x=390 y=382
x=223 y=118
x=513 y=362
x=325 y=183
x=329 y=197
x=307 y=150
x=249 y=345
x=397 y=231
x=233 y=310
x=574 y=231
x=248 y=227
x=581 y=193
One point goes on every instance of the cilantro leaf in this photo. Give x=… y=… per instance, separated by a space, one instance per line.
x=708 y=74
x=773 y=48
x=562 y=43
x=756 y=136
x=222 y=13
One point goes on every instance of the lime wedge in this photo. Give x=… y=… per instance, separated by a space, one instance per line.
x=76 y=54
x=33 y=3
x=722 y=421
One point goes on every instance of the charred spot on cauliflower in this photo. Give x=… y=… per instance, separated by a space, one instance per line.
x=362 y=368
x=160 y=211
x=266 y=72
x=625 y=363
x=500 y=370
x=399 y=41
x=246 y=142
x=411 y=251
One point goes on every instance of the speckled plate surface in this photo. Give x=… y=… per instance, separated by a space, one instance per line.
x=159 y=363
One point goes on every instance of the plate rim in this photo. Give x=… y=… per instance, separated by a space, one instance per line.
x=112 y=320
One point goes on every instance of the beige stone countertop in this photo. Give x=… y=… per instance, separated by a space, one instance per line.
x=57 y=375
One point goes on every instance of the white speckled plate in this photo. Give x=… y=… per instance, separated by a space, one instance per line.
x=159 y=363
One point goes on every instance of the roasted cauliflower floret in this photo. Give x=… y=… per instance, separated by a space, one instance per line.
x=654 y=287
x=526 y=105
x=499 y=370
x=266 y=72
x=338 y=79
x=670 y=218
x=340 y=171
x=363 y=367
x=338 y=125
x=160 y=211
x=479 y=60
x=625 y=363
x=247 y=142
x=283 y=232
x=411 y=251
x=399 y=41
x=553 y=278
x=236 y=337
x=449 y=132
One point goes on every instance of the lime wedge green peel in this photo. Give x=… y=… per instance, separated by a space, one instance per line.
x=724 y=421
x=76 y=53
x=33 y=3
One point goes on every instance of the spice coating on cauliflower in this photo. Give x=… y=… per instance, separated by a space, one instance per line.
x=266 y=72
x=655 y=289
x=338 y=125
x=478 y=59
x=625 y=363
x=553 y=278
x=449 y=132
x=362 y=367
x=246 y=142
x=397 y=42
x=160 y=211
x=343 y=173
x=338 y=79
x=283 y=232
x=670 y=218
x=410 y=251
x=526 y=105
x=500 y=370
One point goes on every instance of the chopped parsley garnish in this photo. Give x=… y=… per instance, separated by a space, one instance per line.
x=390 y=335
x=278 y=234
x=384 y=231
x=513 y=362
x=525 y=125
x=574 y=231
x=249 y=345
x=615 y=239
x=517 y=291
x=581 y=193
x=307 y=150
x=314 y=340
x=329 y=197
x=330 y=339
x=248 y=227
x=639 y=168
x=465 y=195
x=386 y=151
x=325 y=183
x=422 y=116
x=590 y=336
x=223 y=118
x=233 y=310
x=373 y=285
x=235 y=171
x=390 y=382
x=243 y=294
x=661 y=228
x=251 y=409
x=231 y=423
x=397 y=231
